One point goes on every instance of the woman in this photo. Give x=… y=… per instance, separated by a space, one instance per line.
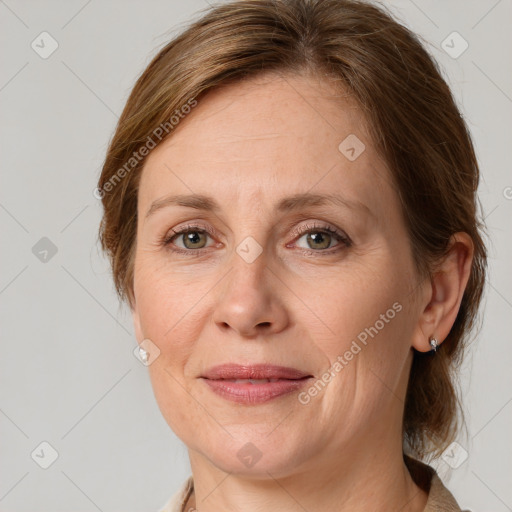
x=290 y=212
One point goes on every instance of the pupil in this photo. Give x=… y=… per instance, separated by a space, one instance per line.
x=193 y=237
x=318 y=238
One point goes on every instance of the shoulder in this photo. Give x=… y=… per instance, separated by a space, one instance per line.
x=440 y=499
x=179 y=498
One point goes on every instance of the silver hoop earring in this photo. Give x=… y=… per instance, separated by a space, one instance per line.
x=144 y=355
x=433 y=343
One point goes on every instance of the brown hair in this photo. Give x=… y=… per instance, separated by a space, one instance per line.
x=413 y=120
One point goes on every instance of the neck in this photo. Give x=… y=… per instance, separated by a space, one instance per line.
x=356 y=480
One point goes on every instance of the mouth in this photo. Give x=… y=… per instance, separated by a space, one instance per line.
x=254 y=372
x=252 y=381
x=254 y=384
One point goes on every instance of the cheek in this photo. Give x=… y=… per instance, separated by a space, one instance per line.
x=370 y=326
x=180 y=410
x=169 y=307
x=358 y=303
x=165 y=296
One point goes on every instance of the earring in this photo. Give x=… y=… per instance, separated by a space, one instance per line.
x=433 y=343
x=144 y=355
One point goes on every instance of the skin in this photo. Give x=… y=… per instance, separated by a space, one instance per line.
x=248 y=146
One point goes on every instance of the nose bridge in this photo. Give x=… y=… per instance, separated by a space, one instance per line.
x=249 y=256
x=249 y=275
x=248 y=300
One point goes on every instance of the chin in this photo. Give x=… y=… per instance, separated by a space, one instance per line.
x=253 y=455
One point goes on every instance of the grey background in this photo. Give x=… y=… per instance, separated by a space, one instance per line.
x=68 y=375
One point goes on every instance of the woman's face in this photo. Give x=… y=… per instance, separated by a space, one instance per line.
x=266 y=274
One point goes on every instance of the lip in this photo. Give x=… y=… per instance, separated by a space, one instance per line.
x=220 y=380
x=254 y=371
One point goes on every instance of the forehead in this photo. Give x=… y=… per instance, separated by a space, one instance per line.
x=266 y=137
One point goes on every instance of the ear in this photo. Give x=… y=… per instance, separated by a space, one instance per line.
x=136 y=323
x=443 y=294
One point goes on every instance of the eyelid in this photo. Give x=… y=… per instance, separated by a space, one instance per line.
x=190 y=227
x=168 y=236
x=321 y=226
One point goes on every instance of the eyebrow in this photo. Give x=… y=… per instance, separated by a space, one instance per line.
x=287 y=204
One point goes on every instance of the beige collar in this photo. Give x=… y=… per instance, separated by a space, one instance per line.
x=439 y=497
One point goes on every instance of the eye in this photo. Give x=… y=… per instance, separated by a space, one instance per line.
x=321 y=237
x=191 y=237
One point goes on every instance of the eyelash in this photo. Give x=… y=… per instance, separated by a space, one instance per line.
x=167 y=239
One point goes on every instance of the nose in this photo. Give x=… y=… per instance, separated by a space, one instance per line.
x=251 y=301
